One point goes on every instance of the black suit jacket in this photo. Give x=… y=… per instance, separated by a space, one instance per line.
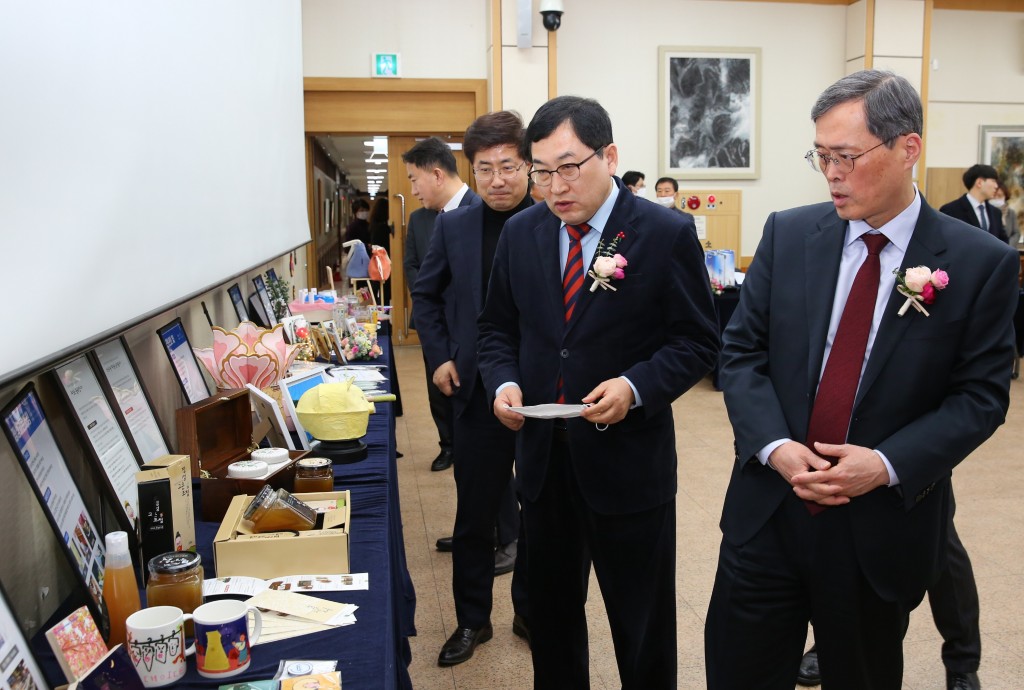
x=963 y=209
x=449 y=296
x=658 y=329
x=417 y=241
x=934 y=388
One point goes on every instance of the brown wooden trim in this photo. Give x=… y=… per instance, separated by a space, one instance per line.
x=926 y=72
x=311 y=275
x=496 y=56
x=552 y=64
x=869 y=34
x=392 y=85
x=980 y=5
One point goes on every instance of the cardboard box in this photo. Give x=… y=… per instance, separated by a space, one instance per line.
x=323 y=550
x=166 y=522
x=217 y=432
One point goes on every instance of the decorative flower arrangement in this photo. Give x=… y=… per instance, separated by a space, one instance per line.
x=248 y=354
x=608 y=264
x=360 y=345
x=919 y=285
x=716 y=286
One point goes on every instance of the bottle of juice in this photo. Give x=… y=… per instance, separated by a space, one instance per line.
x=120 y=592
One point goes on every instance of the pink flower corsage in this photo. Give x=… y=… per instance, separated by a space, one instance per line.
x=608 y=265
x=919 y=285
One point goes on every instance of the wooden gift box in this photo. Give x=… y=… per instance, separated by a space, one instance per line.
x=215 y=433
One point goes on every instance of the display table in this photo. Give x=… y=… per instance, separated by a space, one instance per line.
x=373 y=653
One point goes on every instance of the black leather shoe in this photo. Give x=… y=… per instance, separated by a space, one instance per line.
x=809 y=674
x=461 y=644
x=962 y=681
x=520 y=628
x=442 y=462
x=505 y=558
x=444 y=544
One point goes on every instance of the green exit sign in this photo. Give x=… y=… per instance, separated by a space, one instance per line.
x=386 y=65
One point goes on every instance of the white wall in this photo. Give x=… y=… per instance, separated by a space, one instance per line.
x=440 y=39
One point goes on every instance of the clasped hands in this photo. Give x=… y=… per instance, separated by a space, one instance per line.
x=609 y=402
x=857 y=471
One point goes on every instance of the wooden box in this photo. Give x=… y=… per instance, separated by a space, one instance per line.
x=215 y=433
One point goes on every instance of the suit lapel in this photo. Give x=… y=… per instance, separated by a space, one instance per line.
x=970 y=213
x=471 y=243
x=546 y=237
x=823 y=247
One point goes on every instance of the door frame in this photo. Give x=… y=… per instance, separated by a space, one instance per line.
x=415 y=107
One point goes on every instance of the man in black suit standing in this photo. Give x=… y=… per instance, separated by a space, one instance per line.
x=449 y=295
x=981 y=182
x=849 y=407
x=435 y=179
x=601 y=298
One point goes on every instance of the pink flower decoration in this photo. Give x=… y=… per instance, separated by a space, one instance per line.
x=620 y=261
x=249 y=354
x=917 y=277
x=928 y=293
x=619 y=274
x=940 y=279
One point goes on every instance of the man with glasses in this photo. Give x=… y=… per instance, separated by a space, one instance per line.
x=600 y=301
x=449 y=295
x=850 y=406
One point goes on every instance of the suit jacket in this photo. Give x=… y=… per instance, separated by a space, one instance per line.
x=933 y=389
x=417 y=241
x=449 y=296
x=963 y=209
x=657 y=328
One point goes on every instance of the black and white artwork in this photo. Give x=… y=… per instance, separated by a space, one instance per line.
x=708 y=115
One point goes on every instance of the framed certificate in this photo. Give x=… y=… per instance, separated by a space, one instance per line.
x=235 y=293
x=261 y=290
x=18 y=668
x=266 y=408
x=111 y=455
x=130 y=398
x=29 y=433
x=183 y=361
x=292 y=389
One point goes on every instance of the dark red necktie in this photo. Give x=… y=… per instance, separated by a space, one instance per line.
x=572 y=280
x=833 y=405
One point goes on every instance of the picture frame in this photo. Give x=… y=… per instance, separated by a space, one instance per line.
x=266 y=408
x=235 y=293
x=261 y=290
x=709 y=112
x=1002 y=147
x=336 y=334
x=20 y=668
x=183 y=361
x=292 y=389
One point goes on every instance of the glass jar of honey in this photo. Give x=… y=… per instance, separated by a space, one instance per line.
x=313 y=475
x=176 y=579
x=277 y=510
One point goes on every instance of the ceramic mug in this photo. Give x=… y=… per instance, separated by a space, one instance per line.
x=156 y=644
x=223 y=639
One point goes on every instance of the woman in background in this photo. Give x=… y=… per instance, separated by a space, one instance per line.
x=1002 y=201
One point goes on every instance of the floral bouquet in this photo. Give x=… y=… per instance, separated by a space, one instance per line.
x=919 y=285
x=361 y=344
x=608 y=264
x=716 y=286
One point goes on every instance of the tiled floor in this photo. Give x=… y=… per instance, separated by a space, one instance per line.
x=990 y=519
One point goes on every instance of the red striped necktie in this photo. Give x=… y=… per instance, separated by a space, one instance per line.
x=833 y=405
x=572 y=280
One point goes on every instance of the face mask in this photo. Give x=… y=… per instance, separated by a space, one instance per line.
x=640 y=192
x=666 y=201
x=363 y=215
x=998 y=203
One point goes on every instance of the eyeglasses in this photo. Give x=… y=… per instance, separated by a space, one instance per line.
x=843 y=162
x=568 y=171
x=506 y=172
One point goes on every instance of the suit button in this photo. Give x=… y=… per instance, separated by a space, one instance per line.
x=564 y=354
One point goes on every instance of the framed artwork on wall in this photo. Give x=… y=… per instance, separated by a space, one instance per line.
x=708 y=112
x=1002 y=147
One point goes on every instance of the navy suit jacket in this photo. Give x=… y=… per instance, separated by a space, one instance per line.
x=933 y=389
x=963 y=209
x=657 y=328
x=449 y=296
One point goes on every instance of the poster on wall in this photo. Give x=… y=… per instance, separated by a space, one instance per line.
x=1002 y=147
x=131 y=399
x=29 y=434
x=18 y=668
x=183 y=361
x=112 y=456
x=708 y=112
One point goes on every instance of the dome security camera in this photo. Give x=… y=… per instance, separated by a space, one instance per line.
x=552 y=10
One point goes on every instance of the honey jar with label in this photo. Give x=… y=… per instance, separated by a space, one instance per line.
x=176 y=579
x=277 y=510
x=313 y=475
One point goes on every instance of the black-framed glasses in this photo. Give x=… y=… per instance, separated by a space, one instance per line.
x=505 y=172
x=843 y=162
x=568 y=171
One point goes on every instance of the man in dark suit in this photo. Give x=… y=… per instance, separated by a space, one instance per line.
x=435 y=179
x=626 y=337
x=981 y=182
x=849 y=413
x=449 y=295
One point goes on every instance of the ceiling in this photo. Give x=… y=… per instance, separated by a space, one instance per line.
x=350 y=154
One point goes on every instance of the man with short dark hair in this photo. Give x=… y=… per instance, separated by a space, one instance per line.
x=634 y=181
x=599 y=300
x=435 y=179
x=869 y=355
x=974 y=208
x=666 y=189
x=449 y=295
